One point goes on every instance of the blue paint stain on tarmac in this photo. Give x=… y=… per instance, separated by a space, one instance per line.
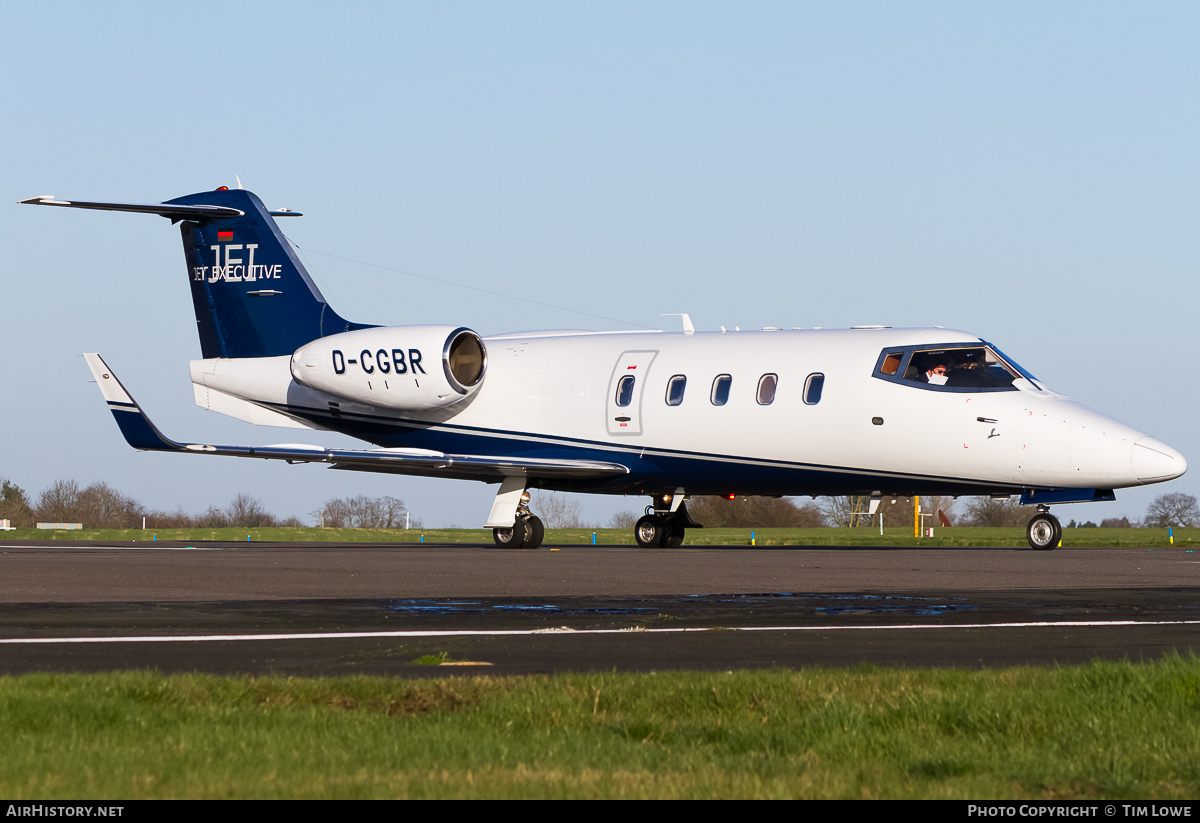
x=851 y=603
x=479 y=607
x=831 y=605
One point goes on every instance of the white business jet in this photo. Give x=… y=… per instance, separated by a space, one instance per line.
x=865 y=411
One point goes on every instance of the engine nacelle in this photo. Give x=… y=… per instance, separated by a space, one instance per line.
x=410 y=368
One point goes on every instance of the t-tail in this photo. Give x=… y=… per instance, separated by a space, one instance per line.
x=251 y=294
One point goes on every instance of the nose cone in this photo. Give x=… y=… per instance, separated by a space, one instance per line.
x=1154 y=461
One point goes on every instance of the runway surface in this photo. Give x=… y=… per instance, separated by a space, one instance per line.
x=322 y=609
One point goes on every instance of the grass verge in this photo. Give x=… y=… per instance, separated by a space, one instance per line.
x=1103 y=730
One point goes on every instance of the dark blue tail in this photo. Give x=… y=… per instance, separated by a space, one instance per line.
x=252 y=296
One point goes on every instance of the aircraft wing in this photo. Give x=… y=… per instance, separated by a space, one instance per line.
x=140 y=433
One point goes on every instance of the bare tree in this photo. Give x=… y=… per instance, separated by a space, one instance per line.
x=557 y=511
x=623 y=520
x=100 y=506
x=939 y=506
x=751 y=512
x=59 y=503
x=363 y=512
x=1006 y=513
x=844 y=511
x=213 y=517
x=245 y=511
x=1172 y=510
x=334 y=514
x=894 y=510
x=178 y=519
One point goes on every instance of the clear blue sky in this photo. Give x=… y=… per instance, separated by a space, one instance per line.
x=1025 y=171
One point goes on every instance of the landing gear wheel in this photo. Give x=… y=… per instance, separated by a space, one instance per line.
x=648 y=531
x=513 y=537
x=535 y=532
x=655 y=531
x=1044 y=531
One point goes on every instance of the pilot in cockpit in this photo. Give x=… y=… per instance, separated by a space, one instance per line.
x=935 y=368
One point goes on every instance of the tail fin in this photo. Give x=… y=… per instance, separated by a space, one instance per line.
x=251 y=294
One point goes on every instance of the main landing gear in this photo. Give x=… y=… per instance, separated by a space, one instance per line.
x=663 y=525
x=659 y=531
x=526 y=533
x=1044 y=531
x=527 y=530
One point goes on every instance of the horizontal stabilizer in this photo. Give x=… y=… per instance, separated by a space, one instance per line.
x=174 y=212
x=140 y=433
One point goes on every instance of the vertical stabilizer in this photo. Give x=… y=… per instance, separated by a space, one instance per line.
x=252 y=296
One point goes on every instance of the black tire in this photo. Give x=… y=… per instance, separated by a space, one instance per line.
x=648 y=531
x=673 y=539
x=512 y=538
x=535 y=533
x=1044 y=532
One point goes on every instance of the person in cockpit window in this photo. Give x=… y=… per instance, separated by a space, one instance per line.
x=934 y=369
x=970 y=372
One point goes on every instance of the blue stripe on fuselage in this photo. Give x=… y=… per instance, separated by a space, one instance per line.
x=651 y=469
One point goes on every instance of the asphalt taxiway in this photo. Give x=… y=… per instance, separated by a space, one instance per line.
x=324 y=609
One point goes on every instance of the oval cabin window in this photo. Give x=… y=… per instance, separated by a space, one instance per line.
x=720 y=390
x=675 y=387
x=766 y=389
x=812 y=389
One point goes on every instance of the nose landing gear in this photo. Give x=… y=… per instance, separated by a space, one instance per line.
x=1044 y=531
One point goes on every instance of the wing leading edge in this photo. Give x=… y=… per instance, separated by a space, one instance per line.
x=143 y=435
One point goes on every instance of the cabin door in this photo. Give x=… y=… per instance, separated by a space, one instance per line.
x=625 y=388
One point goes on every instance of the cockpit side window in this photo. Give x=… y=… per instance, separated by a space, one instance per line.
x=958 y=367
x=891 y=362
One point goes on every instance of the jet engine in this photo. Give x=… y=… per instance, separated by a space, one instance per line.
x=408 y=368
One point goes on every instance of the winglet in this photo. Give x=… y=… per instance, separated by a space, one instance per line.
x=138 y=430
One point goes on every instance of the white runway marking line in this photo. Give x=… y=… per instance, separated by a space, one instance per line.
x=219 y=638
x=50 y=544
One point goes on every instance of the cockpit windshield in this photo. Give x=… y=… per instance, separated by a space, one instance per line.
x=961 y=367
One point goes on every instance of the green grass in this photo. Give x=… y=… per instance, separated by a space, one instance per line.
x=1104 y=730
x=893 y=536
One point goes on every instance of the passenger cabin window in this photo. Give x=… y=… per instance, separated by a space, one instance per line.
x=951 y=368
x=766 y=389
x=625 y=390
x=675 y=387
x=720 y=390
x=812 y=388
